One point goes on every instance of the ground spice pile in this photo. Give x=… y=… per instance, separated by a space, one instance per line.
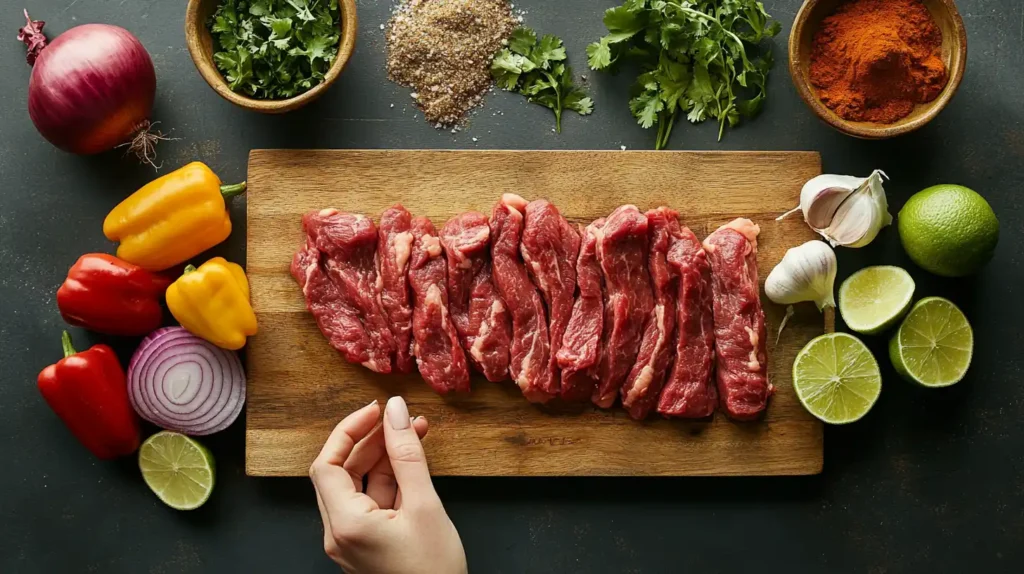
x=443 y=49
x=874 y=60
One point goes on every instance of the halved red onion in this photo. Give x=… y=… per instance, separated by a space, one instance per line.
x=180 y=382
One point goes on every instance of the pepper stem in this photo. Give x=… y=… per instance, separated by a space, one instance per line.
x=189 y=269
x=32 y=35
x=65 y=341
x=229 y=191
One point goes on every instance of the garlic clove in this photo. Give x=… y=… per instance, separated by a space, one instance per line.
x=852 y=221
x=822 y=195
x=820 y=212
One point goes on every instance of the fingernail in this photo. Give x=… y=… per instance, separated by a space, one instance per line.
x=397 y=413
x=373 y=402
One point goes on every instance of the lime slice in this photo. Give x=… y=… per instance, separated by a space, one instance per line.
x=875 y=298
x=934 y=345
x=178 y=469
x=836 y=378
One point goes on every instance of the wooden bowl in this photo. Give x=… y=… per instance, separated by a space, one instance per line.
x=954 y=54
x=200 y=46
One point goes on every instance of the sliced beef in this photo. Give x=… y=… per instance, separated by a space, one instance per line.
x=550 y=247
x=690 y=391
x=347 y=245
x=740 y=340
x=530 y=349
x=480 y=317
x=438 y=353
x=644 y=382
x=628 y=298
x=393 y=250
x=581 y=343
x=338 y=321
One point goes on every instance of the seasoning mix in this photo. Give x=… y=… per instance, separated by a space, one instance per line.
x=443 y=49
x=874 y=60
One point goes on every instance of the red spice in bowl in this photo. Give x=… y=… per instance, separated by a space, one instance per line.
x=874 y=60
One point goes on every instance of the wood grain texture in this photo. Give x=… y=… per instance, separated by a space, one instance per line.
x=299 y=387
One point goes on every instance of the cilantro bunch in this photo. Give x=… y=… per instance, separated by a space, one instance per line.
x=698 y=57
x=537 y=70
x=275 y=49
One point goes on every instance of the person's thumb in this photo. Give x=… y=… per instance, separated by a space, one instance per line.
x=407 y=457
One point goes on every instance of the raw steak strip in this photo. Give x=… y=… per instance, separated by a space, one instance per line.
x=642 y=386
x=530 y=346
x=348 y=244
x=393 y=250
x=740 y=341
x=690 y=392
x=337 y=321
x=479 y=315
x=628 y=298
x=581 y=343
x=438 y=354
x=550 y=247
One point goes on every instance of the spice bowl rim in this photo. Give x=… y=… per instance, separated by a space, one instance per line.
x=799 y=62
x=200 y=43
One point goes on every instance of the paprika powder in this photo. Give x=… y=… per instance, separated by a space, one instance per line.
x=874 y=60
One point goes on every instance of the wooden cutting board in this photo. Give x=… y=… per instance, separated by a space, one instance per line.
x=299 y=387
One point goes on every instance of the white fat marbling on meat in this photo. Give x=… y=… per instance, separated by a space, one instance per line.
x=432 y=245
x=328 y=212
x=433 y=297
x=402 y=249
x=640 y=386
x=753 y=364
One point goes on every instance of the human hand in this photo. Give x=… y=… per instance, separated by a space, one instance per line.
x=397 y=524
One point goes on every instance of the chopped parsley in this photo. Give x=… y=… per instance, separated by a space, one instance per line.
x=275 y=49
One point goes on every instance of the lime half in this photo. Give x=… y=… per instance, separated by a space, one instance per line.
x=836 y=378
x=178 y=469
x=934 y=345
x=873 y=299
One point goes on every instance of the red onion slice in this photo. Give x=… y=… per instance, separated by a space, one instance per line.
x=180 y=382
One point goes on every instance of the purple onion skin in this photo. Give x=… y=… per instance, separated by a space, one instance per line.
x=92 y=89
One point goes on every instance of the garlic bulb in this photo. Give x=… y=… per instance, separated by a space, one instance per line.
x=845 y=210
x=806 y=273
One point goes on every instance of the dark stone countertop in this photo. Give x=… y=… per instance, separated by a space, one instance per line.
x=930 y=480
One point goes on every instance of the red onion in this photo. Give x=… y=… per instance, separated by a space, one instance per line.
x=180 y=382
x=91 y=89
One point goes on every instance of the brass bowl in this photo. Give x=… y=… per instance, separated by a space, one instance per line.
x=954 y=55
x=200 y=46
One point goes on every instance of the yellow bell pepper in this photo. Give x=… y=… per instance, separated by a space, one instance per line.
x=212 y=302
x=172 y=219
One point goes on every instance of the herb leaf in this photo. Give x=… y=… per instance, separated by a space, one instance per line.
x=537 y=70
x=274 y=49
x=699 y=57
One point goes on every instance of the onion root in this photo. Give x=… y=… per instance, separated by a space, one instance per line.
x=143 y=144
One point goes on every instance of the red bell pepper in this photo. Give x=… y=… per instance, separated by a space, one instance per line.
x=88 y=391
x=105 y=294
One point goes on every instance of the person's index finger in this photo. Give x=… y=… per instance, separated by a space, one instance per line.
x=406 y=454
x=368 y=452
x=327 y=472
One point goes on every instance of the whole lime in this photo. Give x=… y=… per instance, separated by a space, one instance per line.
x=949 y=230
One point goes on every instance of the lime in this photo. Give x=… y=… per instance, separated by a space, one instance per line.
x=949 y=230
x=875 y=298
x=178 y=469
x=934 y=345
x=836 y=378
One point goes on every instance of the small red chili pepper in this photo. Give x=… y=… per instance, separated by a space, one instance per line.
x=88 y=391
x=105 y=294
